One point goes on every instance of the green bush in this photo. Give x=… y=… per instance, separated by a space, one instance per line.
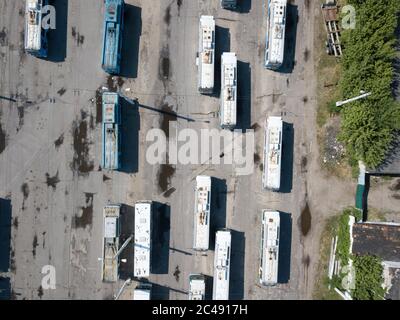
x=368 y=125
x=369 y=278
x=343 y=242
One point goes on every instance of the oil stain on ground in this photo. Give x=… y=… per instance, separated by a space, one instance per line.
x=165 y=65
x=169 y=192
x=52 y=181
x=99 y=106
x=167 y=16
x=305 y=220
x=2 y=139
x=77 y=36
x=86 y=218
x=177 y=273
x=25 y=193
x=81 y=162
x=168 y=115
x=59 y=141
x=3 y=37
x=34 y=245
x=165 y=173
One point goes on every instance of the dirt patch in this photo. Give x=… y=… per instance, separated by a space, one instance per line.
x=120 y=82
x=168 y=115
x=81 y=163
x=59 y=141
x=2 y=139
x=52 y=181
x=334 y=151
x=396 y=196
x=86 y=217
x=305 y=220
x=165 y=174
x=395 y=186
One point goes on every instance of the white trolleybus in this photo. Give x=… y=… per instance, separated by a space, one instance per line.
x=111 y=231
x=202 y=213
x=271 y=178
x=35 y=41
x=228 y=90
x=222 y=259
x=269 y=250
x=197 y=287
x=206 y=56
x=275 y=39
x=142 y=244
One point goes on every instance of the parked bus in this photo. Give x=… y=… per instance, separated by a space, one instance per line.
x=142 y=251
x=269 y=253
x=112 y=38
x=35 y=41
x=228 y=90
x=206 y=56
x=222 y=259
x=275 y=39
x=111 y=231
x=271 y=178
x=111 y=133
x=202 y=213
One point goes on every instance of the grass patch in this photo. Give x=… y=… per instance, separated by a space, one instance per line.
x=321 y=289
x=376 y=215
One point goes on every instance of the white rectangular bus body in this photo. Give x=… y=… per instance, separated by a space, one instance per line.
x=111 y=231
x=269 y=248
x=142 y=251
x=142 y=292
x=271 y=178
x=275 y=39
x=228 y=90
x=206 y=57
x=222 y=259
x=197 y=287
x=202 y=213
x=35 y=41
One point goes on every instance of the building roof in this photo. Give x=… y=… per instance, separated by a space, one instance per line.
x=379 y=239
x=391 y=164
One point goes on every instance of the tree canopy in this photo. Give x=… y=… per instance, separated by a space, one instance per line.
x=369 y=125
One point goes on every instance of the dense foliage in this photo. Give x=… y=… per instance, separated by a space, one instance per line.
x=369 y=278
x=343 y=242
x=368 y=125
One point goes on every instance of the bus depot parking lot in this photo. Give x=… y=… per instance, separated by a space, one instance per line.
x=50 y=161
